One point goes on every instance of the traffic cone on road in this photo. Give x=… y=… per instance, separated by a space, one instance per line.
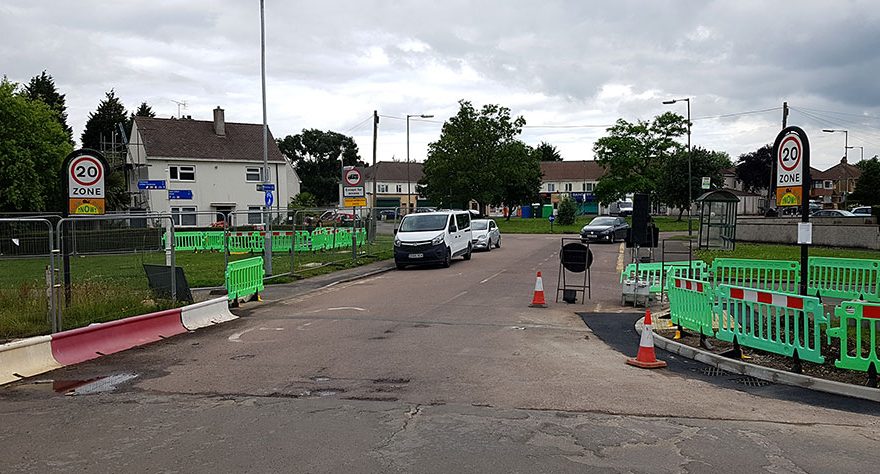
x=538 y=298
x=646 y=358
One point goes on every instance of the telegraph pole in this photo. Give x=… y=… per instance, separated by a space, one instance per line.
x=267 y=242
x=374 y=214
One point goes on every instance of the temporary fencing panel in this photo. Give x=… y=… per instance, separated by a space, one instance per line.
x=771 y=321
x=858 y=350
x=303 y=241
x=244 y=277
x=691 y=304
x=282 y=241
x=847 y=278
x=214 y=240
x=188 y=240
x=651 y=272
x=771 y=275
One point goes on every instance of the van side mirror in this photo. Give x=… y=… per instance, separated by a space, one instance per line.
x=395 y=231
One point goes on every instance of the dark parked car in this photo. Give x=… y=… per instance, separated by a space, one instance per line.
x=605 y=229
x=389 y=214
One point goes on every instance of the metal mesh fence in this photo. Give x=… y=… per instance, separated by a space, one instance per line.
x=26 y=277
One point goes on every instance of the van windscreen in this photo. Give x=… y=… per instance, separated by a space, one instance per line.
x=421 y=223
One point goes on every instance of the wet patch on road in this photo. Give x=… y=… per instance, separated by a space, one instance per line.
x=73 y=387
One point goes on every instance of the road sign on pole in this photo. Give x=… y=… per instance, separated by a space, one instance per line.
x=351 y=176
x=707 y=182
x=85 y=172
x=270 y=198
x=149 y=184
x=790 y=152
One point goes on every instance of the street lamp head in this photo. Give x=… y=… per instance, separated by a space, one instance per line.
x=667 y=102
x=426 y=116
x=832 y=130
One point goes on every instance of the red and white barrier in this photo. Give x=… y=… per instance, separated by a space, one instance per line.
x=26 y=358
x=689 y=285
x=775 y=299
x=206 y=313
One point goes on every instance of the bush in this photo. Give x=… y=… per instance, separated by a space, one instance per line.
x=567 y=212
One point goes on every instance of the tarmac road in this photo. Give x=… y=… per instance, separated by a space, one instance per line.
x=422 y=370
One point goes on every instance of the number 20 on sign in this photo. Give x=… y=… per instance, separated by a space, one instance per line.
x=791 y=153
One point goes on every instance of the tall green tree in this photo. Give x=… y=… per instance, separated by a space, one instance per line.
x=144 y=110
x=868 y=183
x=672 y=187
x=101 y=133
x=753 y=168
x=634 y=154
x=32 y=146
x=478 y=157
x=315 y=155
x=42 y=88
x=548 y=152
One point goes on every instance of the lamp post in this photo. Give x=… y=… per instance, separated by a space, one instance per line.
x=861 y=149
x=689 y=183
x=408 y=190
x=845 y=156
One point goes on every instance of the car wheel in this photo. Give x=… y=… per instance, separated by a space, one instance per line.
x=498 y=244
x=467 y=256
x=489 y=246
x=448 y=260
x=401 y=266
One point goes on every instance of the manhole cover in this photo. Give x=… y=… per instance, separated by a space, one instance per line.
x=713 y=371
x=752 y=382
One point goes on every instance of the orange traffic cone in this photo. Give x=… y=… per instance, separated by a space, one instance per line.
x=646 y=358
x=538 y=299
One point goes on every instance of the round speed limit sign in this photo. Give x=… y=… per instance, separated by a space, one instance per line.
x=85 y=177
x=790 y=162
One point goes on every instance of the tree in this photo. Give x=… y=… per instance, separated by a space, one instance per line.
x=633 y=154
x=567 y=212
x=672 y=186
x=753 y=168
x=99 y=132
x=42 y=88
x=868 y=183
x=478 y=157
x=315 y=155
x=33 y=143
x=548 y=152
x=144 y=110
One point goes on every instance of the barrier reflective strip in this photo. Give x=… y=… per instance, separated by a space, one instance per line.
x=792 y=302
x=689 y=285
x=872 y=312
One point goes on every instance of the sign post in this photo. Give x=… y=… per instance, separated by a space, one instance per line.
x=354 y=196
x=792 y=152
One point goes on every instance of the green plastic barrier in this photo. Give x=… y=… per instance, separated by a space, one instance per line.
x=856 y=351
x=691 y=304
x=651 y=271
x=214 y=240
x=320 y=239
x=244 y=278
x=282 y=241
x=187 y=240
x=772 y=275
x=771 y=321
x=302 y=242
x=847 y=278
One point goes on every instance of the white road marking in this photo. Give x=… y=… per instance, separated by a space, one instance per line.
x=343 y=308
x=620 y=251
x=303 y=327
x=491 y=277
x=237 y=336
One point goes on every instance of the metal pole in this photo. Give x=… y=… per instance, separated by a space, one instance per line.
x=267 y=243
x=690 y=157
x=408 y=197
x=373 y=216
x=173 y=265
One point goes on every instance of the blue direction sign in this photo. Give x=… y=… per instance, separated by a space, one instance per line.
x=552 y=218
x=269 y=198
x=266 y=187
x=180 y=194
x=151 y=184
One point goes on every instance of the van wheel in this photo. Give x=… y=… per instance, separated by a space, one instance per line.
x=448 y=260
x=467 y=256
x=401 y=266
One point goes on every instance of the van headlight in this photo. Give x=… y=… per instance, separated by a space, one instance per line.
x=437 y=240
x=396 y=242
x=481 y=237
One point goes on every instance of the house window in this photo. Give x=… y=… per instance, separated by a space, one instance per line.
x=255 y=215
x=254 y=174
x=829 y=184
x=568 y=187
x=183 y=216
x=400 y=188
x=182 y=173
x=551 y=187
x=588 y=187
x=818 y=184
x=383 y=188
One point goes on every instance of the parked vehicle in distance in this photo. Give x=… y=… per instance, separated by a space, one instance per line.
x=432 y=237
x=605 y=229
x=833 y=213
x=485 y=234
x=621 y=208
x=862 y=211
x=389 y=214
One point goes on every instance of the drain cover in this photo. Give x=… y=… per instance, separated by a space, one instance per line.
x=713 y=371
x=752 y=382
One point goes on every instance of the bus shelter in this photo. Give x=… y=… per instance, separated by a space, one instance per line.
x=717 y=219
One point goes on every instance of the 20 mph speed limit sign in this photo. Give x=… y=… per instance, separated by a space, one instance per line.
x=792 y=150
x=85 y=172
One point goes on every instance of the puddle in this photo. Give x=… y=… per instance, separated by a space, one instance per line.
x=85 y=386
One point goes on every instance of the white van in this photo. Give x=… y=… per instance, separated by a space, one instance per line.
x=432 y=237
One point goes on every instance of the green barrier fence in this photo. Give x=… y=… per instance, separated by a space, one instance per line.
x=282 y=241
x=857 y=331
x=651 y=272
x=303 y=241
x=847 y=278
x=772 y=275
x=771 y=321
x=691 y=304
x=322 y=238
x=244 y=278
x=214 y=241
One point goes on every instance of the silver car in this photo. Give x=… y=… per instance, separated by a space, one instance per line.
x=485 y=234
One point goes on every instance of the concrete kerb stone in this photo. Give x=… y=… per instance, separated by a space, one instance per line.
x=26 y=358
x=759 y=372
x=206 y=313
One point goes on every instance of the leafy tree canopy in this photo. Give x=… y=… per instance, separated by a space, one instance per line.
x=144 y=110
x=103 y=122
x=634 y=154
x=672 y=186
x=478 y=157
x=567 y=212
x=315 y=155
x=753 y=168
x=33 y=143
x=868 y=183
x=548 y=152
x=42 y=88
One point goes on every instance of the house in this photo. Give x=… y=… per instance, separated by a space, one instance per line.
x=832 y=186
x=750 y=203
x=395 y=184
x=575 y=179
x=213 y=167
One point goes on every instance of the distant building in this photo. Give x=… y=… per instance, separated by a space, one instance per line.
x=832 y=186
x=391 y=184
x=574 y=179
x=219 y=162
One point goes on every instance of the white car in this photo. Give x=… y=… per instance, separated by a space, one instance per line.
x=862 y=211
x=485 y=234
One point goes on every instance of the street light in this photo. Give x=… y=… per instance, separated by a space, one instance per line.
x=845 y=156
x=861 y=149
x=690 y=184
x=408 y=190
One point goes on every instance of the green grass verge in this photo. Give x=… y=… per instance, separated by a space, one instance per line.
x=782 y=252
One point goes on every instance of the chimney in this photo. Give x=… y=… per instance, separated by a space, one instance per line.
x=219 y=122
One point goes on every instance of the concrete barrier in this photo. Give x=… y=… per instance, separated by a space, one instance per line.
x=206 y=313
x=855 y=232
x=90 y=342
x=26 y=358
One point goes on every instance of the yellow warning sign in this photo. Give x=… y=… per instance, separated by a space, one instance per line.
x=354 y=202
x=86 y=206
x=789 y=196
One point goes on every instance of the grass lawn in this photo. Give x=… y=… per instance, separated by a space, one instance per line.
x=108 y=287
x=783 y=252
x=518 y=225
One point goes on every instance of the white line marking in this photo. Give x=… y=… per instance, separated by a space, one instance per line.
x=237 y=336
x=491 y=277
x=343 y=308
x=303 y=327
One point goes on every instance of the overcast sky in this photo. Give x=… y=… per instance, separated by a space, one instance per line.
x=570 y=68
